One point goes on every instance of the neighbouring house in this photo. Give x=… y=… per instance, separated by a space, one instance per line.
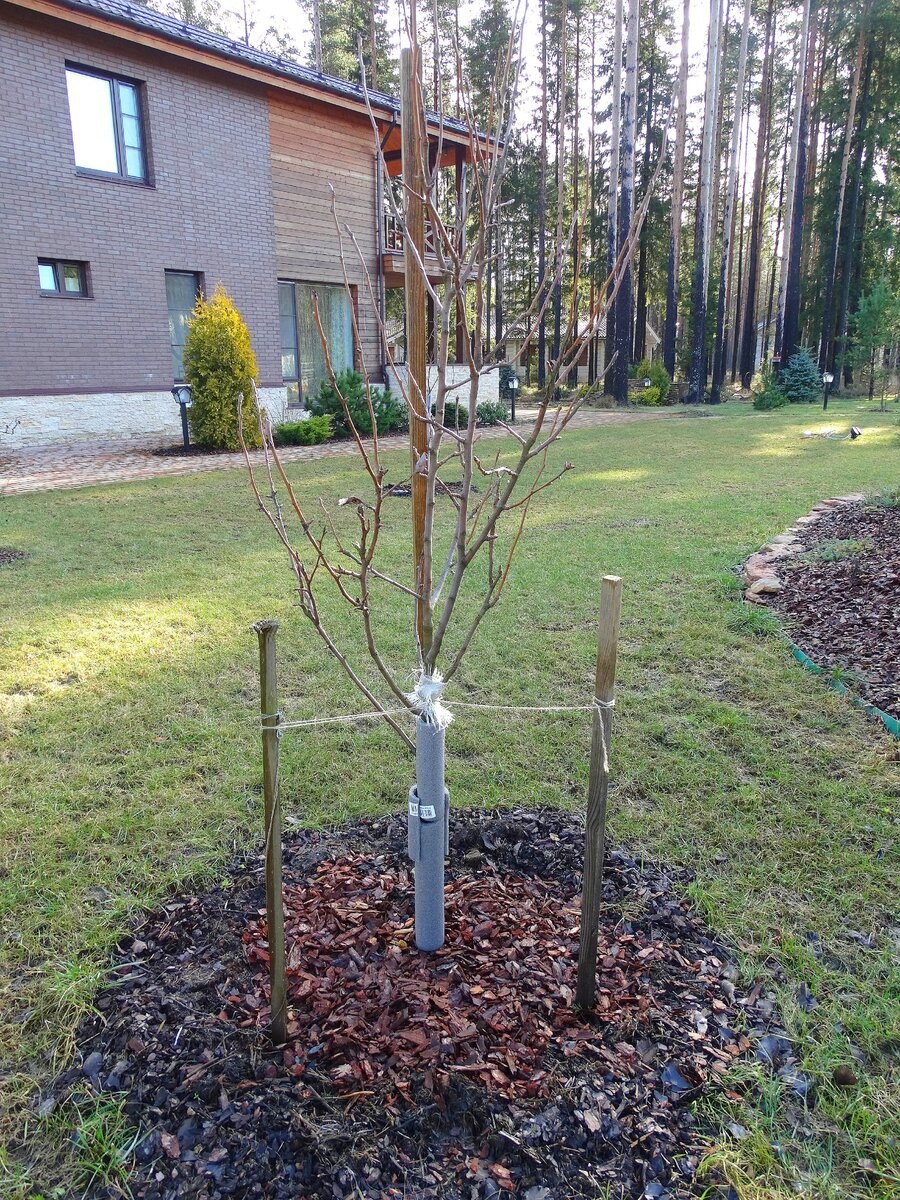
x=592 y=360
x=145 y=161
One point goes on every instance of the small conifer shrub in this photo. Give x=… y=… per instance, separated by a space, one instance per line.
x=800 y=380
x=220 y=366
x=389 y=412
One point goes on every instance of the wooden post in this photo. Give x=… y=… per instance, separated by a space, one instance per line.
x=412 y=130
x=268 y=688
x=598 y=788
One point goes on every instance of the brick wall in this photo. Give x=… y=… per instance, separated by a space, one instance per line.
x=209 y=209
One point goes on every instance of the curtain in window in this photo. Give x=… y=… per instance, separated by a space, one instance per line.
x=337 y=325
x=181 y=296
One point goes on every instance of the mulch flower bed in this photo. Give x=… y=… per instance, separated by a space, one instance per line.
x=191 y=451
x=845 y=613
x=463 y=1074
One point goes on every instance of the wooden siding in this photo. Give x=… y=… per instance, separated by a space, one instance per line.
x=313 y=147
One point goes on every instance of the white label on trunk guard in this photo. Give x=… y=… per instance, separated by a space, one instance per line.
x=426 y=812
x=413 y=808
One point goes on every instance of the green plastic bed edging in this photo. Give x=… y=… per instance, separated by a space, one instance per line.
x=891 y=724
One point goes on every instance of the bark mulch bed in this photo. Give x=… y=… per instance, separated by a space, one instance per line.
x=9 y=555
x=191 y=451
x=845 y=613
x=461 y=1074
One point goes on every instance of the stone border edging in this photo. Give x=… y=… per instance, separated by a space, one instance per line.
x=760 y=573
x=760 y=570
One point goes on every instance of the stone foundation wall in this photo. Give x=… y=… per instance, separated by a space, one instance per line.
x=458 y=373
x=27 y=421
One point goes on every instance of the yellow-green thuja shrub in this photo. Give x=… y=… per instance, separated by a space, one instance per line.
x=220 y=366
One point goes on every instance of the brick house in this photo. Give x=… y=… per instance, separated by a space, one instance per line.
x=143 y=160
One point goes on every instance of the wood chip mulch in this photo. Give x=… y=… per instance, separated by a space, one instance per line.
x=464 y=1074
x=845 y=614
x=9 y=555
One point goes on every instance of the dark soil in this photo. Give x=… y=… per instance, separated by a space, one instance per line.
x=465 y=1073
x=845 y=614
x=192 y=451
x=9 y=555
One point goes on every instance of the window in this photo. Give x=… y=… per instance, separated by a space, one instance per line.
x=107 y=131
x=302 y=357
x=182 y=290
x=58 y=278
x=290 y=351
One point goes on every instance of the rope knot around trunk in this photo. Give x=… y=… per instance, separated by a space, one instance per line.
x=426 y=700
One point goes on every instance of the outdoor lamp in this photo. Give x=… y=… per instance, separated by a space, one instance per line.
x=647 y=382
x=828 y=380
x=182 y=394
x=513 y=386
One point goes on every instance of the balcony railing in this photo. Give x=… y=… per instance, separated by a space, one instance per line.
x=393 y=235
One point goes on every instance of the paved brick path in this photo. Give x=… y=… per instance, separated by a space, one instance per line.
x=84 y=464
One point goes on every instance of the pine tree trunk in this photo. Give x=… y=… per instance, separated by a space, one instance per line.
x=612 y=208
x=792 y=175
x=560 y=178
x=853 y=251
x=791 y=334
x=317 y=33
x=826 y=355
x=748 y=335
x=577 y=244
x=592 y=199
x=670 y=330
x=697 y=373
x=640 y=321
x=718 y=373
x=624 y=299
x=542 y=209
x=736 y=275
x=810 y=252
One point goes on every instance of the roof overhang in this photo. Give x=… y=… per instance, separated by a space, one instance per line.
x=133 y=23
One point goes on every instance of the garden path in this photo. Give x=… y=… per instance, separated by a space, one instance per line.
x=84 y=464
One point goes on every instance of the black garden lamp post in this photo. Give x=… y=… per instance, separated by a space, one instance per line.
x=828 y=380
x=182 y=394
x=513 y=386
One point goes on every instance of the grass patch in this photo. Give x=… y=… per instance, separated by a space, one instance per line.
x=130 y=746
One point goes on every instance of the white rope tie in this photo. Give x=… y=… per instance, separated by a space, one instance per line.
x=421 y=708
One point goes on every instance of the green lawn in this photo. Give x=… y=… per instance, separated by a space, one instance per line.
x=130 y=745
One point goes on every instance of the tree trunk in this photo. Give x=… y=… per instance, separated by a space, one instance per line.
x=640 y=321
x=826 y=357
x=592 y=208
x=612 y=208
x=697 y=373
x=317 y=33
x=748 y=337
x=791 y=333
x=853 y=251
x=792 y=175
x=624 y=299
x=671 y=326
x=542 y=209
x=560 y=178
x=736 y=279
x=718 y=373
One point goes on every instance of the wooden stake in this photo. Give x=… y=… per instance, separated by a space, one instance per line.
x=268 y=688
x=412 y=130
x=598 y=789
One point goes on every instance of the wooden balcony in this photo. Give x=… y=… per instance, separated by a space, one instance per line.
x=393 y=260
